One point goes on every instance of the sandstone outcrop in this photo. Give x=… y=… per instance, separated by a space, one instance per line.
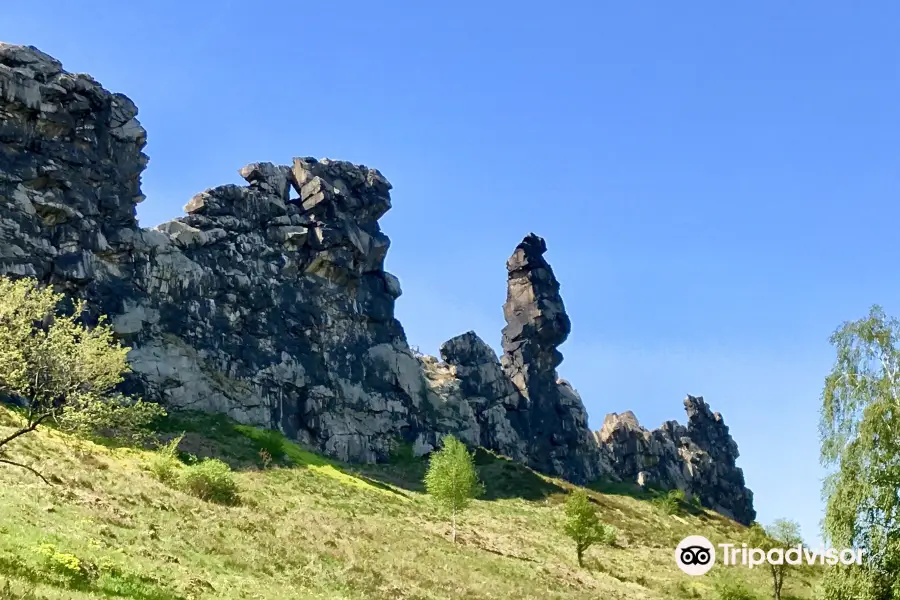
x=269 y=302
x=699 y=459
x=537 y=324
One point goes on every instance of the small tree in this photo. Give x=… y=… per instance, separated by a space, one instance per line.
x=65 y=370
x=451 y=478
x=583 y=525
x=782 y=534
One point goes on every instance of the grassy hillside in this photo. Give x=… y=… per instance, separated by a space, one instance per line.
x=308 y=527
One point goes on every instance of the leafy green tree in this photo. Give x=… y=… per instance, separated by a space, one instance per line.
x=65 y=370
x=451 y=478
x=860 y=432
x=583 y=525
x=782 y=534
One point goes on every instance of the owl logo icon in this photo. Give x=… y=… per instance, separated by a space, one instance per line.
x=695 y=555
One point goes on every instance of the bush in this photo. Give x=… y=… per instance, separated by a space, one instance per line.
x=670 y=502
x=272 y=442
x=66 y=566
x=165 y=464
x=210 y=480
x=733 y=589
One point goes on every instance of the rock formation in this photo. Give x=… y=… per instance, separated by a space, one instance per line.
x=699 y=459
x=273 y=310
x=269 y=302
x=537 y=324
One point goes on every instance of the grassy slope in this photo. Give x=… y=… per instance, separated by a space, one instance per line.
x=312 y=528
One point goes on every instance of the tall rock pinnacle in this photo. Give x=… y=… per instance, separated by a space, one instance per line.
x=537 y=324
x=536 y=319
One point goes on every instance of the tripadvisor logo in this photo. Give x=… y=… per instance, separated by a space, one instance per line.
x=696 y=555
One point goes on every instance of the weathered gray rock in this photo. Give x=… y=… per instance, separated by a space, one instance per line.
x=253 y=305
x=269 y=302
x=554 y=419
x=699 y=459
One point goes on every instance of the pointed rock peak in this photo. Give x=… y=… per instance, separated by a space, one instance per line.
x=615 y=422
x=529 y=254
x=533 y=244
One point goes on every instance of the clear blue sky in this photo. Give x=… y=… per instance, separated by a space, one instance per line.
x=718 y=184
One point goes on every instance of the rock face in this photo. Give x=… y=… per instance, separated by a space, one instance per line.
x=699 y=459
x=269 y=302
x=272 y=309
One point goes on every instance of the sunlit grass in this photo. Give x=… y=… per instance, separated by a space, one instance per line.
x=310 y=527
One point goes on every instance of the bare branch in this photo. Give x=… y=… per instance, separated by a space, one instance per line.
x=33 y=424
x=26 y=467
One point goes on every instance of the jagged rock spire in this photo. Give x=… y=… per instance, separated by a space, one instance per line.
x=536 y=319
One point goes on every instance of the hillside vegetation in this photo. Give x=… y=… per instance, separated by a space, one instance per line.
x=304 y=526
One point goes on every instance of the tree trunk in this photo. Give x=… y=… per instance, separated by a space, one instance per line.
x=454 y=527
x=580 y=556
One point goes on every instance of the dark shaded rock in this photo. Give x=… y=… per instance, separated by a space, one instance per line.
x=551 y=417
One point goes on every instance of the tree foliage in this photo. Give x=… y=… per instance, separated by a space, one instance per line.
x=451 y=478
x=583 y=525
x=63 y=369
x=782 y=534
x=860 y=432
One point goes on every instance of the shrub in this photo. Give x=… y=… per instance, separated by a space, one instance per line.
x=682 y=589
x=733 y=589
x=68 y=566
x=164 y=465
x=670 y=502
x=272 y=442
x=211 y=480
x=583 y=525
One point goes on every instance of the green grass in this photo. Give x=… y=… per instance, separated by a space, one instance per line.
x=310 y=527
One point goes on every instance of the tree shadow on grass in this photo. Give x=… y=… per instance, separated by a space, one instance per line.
x=505 y=478
x=621 y=488
x=502 y=477
x=633 y=490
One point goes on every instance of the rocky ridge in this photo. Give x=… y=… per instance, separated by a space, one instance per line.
x=269 y=302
